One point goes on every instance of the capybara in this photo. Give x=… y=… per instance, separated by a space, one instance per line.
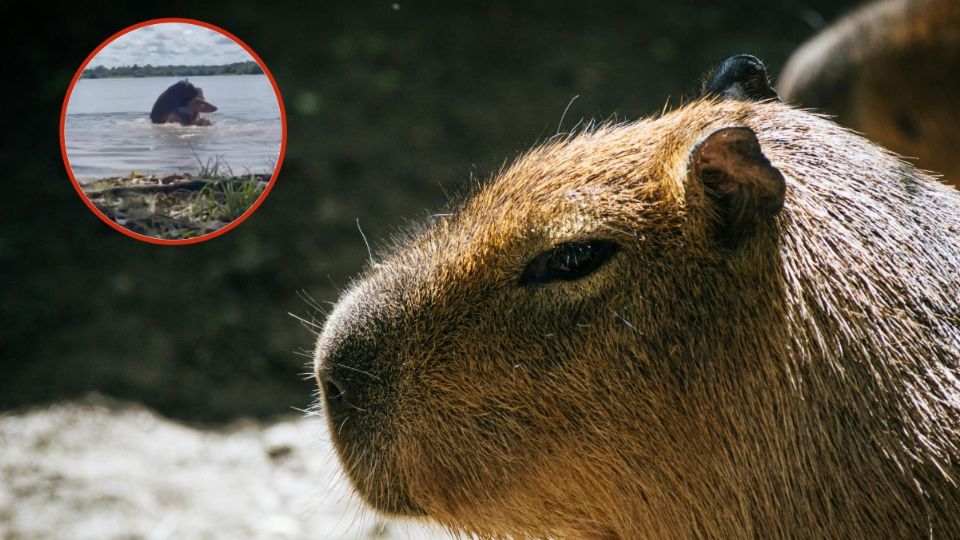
x=735 y=320
x=181 y=103
x=890 y=70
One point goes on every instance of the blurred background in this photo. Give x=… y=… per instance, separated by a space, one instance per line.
x=390 y=106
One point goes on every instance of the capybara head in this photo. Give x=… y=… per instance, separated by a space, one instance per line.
x=736 y=319
x=183 y=101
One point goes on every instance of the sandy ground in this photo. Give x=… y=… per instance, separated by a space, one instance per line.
x=107 y=470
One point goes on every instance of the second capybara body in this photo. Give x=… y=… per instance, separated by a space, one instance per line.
x=890 y=70
x=735 y=320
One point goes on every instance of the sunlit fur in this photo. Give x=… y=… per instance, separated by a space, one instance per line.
x=804 y=385
x=889 y=70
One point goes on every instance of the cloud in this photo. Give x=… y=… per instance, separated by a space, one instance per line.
x=171 y=44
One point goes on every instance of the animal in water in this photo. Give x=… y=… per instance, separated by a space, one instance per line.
x=737 y=319
x=890 y=70
x=181 y=103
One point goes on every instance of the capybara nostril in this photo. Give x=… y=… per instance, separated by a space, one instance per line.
x=332 y=392
x=336 y=398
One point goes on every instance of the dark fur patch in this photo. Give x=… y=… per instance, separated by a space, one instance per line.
x=742 y=77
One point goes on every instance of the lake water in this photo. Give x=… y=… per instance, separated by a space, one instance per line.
x=108 y=130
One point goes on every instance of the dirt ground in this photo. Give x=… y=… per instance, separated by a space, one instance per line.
x=103 y=469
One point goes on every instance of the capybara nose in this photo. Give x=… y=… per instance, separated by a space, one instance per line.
x=346 y=376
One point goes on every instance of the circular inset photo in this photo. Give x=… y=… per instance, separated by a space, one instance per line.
x=173 y=131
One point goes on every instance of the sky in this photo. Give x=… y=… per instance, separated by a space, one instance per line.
x=167 y=44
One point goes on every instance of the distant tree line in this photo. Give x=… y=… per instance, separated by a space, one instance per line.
x=237 y=68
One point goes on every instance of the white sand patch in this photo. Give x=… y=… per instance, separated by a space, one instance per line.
x=98 y=469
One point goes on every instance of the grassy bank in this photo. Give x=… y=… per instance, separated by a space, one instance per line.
x=177 y=206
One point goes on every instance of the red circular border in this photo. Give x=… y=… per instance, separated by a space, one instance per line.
x=225 y=228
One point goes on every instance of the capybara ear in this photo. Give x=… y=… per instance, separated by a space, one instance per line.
x=742 y=77
x=739 y=182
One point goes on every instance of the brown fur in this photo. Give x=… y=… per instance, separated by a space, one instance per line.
x=890 y=70
x=805 y=384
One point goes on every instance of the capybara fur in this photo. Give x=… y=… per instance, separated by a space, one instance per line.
x=890 y=70
x=735 y=320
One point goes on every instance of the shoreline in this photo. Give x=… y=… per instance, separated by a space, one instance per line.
x=176 y=206
x=246 y=67
x=172 y=76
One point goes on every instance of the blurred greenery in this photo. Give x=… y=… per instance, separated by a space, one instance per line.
x=390 y=105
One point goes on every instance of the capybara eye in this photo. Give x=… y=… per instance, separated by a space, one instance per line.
x=567 y=262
